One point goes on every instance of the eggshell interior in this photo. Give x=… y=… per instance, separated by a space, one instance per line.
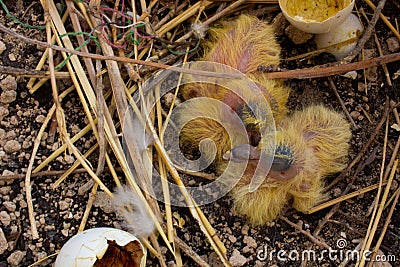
x=319 y=16
x=90 y=245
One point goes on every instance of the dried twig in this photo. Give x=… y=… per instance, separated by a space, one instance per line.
x=77 y=28
x=385 y=20
x=315 y=72
x=367 y=33
x=224 y=12
x=46 y=173
x=333 y=87
x=375 y=220
x=365 y=147
x=328 y=70
x=308 y=234
x=385 y=226
x=125 y=59
x=32 y=73
x=343 y=198
x=190 y=252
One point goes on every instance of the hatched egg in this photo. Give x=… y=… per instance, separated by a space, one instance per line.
x=335 y=40
x=101 y=246
x=319 y=16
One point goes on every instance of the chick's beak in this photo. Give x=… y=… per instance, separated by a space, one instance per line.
x=283 y=165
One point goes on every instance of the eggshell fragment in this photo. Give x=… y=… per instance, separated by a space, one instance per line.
x=100 y=245
x=349 y=29
x=316 y=16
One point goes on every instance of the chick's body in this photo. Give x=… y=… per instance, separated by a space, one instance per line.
x=318 y=140
x=243 y=44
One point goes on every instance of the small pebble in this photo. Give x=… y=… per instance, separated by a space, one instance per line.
x=9 y=83
x=5 y=218
x=393 y=44
x=12 y=57
x=3 y=242
x=245 y=230
x=237 y=259
x=69 y=159
x=7 y=97
x=279 y=23
x=297 y=36
x=372 y=74
x=337 y=192
x=40 y=118
x=2 y=49
x=3 y=112
x=355 y=114
x=248 y=240
x=232 y=239
x=12 y=146
x=361 y=87
x=5 y=190
x=16 y=257
x=10 y=206
x=247 y=249
x=63 y=204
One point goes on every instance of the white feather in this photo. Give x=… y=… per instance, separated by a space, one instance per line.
x=128 y=205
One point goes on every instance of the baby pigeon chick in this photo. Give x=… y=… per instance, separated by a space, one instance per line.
x=243 y=44
x=310 y=144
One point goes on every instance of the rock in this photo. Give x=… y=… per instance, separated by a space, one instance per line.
x=8 y=83
x=5 y=190
x=232 y=238
x=2 y=134
x=69 y=159
x=12 y=146
x=237 y=259
x=279 y=23
x=372 y=74
x=5 y=218
x=7 y=97
x=3 y=112
x=214 y=260
x=11 y=135
x=3 y=242
x=2 y=49
x=248 y=240
x=12 y=57
x=40 y=118
x=354 y=114
x=368 y=54
x=297 y=36
x=393 y=44
x=64 y=204
x=10 y=206
x=361 y=87
x=16 y=257
x=245 y=230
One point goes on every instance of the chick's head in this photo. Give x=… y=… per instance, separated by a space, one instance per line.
x=293 y=180
x=309 y=145
x=244 y=44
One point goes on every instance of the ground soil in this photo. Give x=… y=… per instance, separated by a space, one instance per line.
x=59 y=211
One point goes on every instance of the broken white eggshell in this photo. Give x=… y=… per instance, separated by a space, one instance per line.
x=350 y=28
x=100 y=244
x=319 y=16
